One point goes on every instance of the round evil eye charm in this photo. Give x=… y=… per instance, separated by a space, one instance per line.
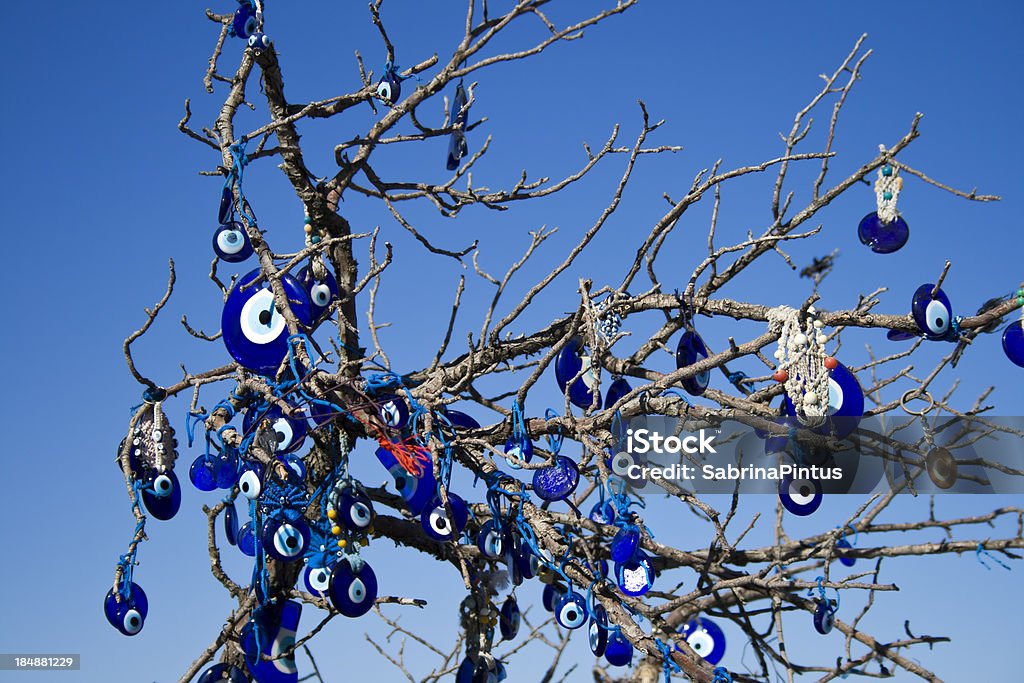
x=322 y=293
x=255 y=332
x=439 y=526
x=393 y=411
x=602 y=513
x=318 y=579
x=352 y=592
x=223 y=673
x=231 y=244
x=246 y=540
x=389 y=87
x=162 y=497
x=355 y=511
x=571 y=611
x=127 y=613
x=244 y=23
x=932 y=315
x=618 y=651
x=528 y=562
x=250 y=480
x=883 y=238
x=284 y=540
x=287 y=433
x=203 y=472
x=598 y=630
x=259 y=42
x=824 y=616
x=509 y=618
x=519 y=447
x=491 y=540
x=461 y=420
x=691 y=349
x=800 y=496
x=842 y=545
x=551 y=596
x=625 y=544
x=705 y=638
x=619 y=388
x=570 y=361
x=558 y=481
x=635 y=576
x=845 y=403
x=1013 y=343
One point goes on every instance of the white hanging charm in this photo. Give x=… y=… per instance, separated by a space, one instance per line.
x=801 y=356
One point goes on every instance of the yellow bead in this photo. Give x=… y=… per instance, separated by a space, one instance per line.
x=308 y=228
x=342 y=542
x=336 y=530
x=332 y=514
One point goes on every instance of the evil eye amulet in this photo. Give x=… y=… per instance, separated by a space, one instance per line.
x=618 y=651
x=250 y=480
x=439 y=526
x=243 y=24
x=824 y=617
x=519 y=447
x=509 y=618
x=625 y=544
x=568 y=364
x=845 y=403
x=246 y=540
x=227 y=206
x=841 y=545
x=223 y=673
x=933 y=316
x=490 y=540
x=231 y=244
x=276 y=634
x=635 y=576
x=393 y=411
x=800 y=496
x=164 y=500
x=318 y=579
x=551 y=596
x=287 y=433
x=598 y=631
x=883 y=238
x=255 y=333
x=355 y=511
x=602 y=513
x=528 y=562
x=691 y=349
x=351 y=592
x=230 y=523
x=389 y=88
x=203 y=472
x=461 y=420
x=418 y=492
x=1013 y=343
x=127 y=615
x=259 y=42
x=616 y=391
x=571 y=611
x=286 y=540
x=558 y=481
x=705 y=638
x=321 y=292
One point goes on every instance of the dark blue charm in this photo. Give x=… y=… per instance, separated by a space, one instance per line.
x=255 y=333
x=435 y=520
x=558 y=481
x=393 y=411
x=355 y=510
x=352 y=592
x=571 y=611
x=635 y=576
x=933 y=316
x=841 y=545
x=845 y=403
x=598 y=630
x=618 y=651
x=286 y=540
x=203 y=472
x=1013 y=343
x=625 y=544
x=296 y=464
x=706 y=639
x=244 y=23
x=227 y=206
x=259 y=42
x=318 y=579
x=389 y=87
x=231 y=244
x=321 y=292
x=246 y=540
x=570 y=360
x=461 y=420
x=287 y=433
x=520 y=447
x=223 y=673
x=691 y=349
x=478 y=672
x=230 y=523
x=164 y=501
x=619 y=388
x=824 y=616
x=883 y=238
x=899 y=335
x=509 y=618
x=602 y=513
x=276 y=633
x=800 y=496
x=551 y=596
x=528 y=562
x=127 y=615
x=250 y=480
x=419 y=491
x=491 y=540
x=457 y=147
x=227 y=472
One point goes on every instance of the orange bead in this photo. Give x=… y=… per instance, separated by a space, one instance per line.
x=780 y=376
x=831 y=363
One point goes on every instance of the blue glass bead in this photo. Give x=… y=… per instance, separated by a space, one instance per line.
x=845 y=403
x=520 y=447
x=490 y=540
x=551 y=596
x=230 y=523
x=1013 y=343
x=509 y=618
x=843 y=544
x=321 y=292
x=933 y=316
x=705 y=638
x=618 y=651
x=616 y=390
x=389 y=88
x=258 y=42
x=227 y=206
x=254 y=331
x=288 y=432
x=635 y=576
x=250 y=480
x=244 y=24
x=800 y=496
x=598 y=630
x=691 y=349
x=127 y=614
x=558 y=481
x=435 y=521
x=393 y=411
x=571 y=611
x=625 y=544
x=355 y=510
x=296 y=464
x=418 y=492
x=824 y=616
x=277 y=634
x=165 y=501
x=318 y=579
x=231 y=243
x=528 y=562
x=461 y=420
x=457 y=147
x=222 y=673
x=511 y=545
x=286 y=540
x=602 y=513
x=899 y=335
x=246 y=540
x=352 y=592
x=568 y=363
x=227 y=470
x=883 y=238
x=203 y=472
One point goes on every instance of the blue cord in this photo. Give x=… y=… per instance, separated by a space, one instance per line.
x=668 y=664
x=980 y=550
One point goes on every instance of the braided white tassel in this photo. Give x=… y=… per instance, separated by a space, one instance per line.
x=316 y=261
x=801 y=354
x=887 y=191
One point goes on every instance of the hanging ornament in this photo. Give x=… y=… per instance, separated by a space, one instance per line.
x=246 y=20
x=457 y=115
x=618 y=651
x=389 y=87
x=825 y=609
x=933 y=313
x=690 y=350
x=885 y=231
x=571 y=610
x=1013 y=335
x=353 y=586
x=705 y=637
x=519 y=445
x=598 y=630
x=286 y=434
x=635 y=576
x=441 y=526
x=571 y=360
x=231 y=243
x=557 y=481
x=126 y=607
x=222 y=673
x=271 y=631
x=509 y=618
x=800 y=496
x=258 y=42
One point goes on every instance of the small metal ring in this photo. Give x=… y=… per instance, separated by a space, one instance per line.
x=917 y=394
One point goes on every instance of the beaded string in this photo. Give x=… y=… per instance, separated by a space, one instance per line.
x=313 y=236
x=887 y=191
x=801 y=357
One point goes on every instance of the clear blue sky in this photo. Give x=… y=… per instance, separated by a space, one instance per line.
x=100 y=189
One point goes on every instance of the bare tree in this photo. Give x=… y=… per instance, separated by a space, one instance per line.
x=342 y=382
